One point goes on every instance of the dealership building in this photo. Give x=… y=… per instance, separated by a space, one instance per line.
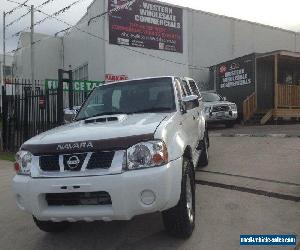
x=142 y=38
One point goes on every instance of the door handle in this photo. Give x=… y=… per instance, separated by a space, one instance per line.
x=194 y=118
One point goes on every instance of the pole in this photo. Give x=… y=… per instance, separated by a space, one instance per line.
x=70 y=89
x=60 y=97
x=2 y=67
x=31 y=48
x=4 y=38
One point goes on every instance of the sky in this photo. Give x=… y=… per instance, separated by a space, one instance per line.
x=283 y=14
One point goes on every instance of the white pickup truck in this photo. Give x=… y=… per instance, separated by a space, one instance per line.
x=131 y=150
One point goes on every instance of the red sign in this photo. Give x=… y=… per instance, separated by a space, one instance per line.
x=7 y=81
x=223 y=69
x=42 y=102
x=115 y=78
x=146 y=24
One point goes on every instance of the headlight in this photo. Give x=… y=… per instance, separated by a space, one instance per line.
x=207 y=109
x=147 y=155
x=23 y=162
x=233 y=107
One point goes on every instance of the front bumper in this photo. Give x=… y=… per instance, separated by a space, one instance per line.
x=124 y=189
x=221 y=116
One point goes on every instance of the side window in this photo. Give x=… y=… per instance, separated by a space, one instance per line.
x=186 y=87
x=194 y=88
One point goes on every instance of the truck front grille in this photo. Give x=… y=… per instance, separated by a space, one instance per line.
x=49 y=163
x=75 y=162
x=220 y=108
x=101 y=160
x=76 y=199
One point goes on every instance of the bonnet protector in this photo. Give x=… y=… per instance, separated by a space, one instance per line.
x=113 y=144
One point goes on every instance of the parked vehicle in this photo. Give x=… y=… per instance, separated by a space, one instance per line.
x=69 y=114
x=131 y=150
x=219 y=110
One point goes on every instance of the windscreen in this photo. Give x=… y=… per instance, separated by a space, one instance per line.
x=211 y=97
x=138 y=96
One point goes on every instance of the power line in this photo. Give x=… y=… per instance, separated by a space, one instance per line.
x=46 y=18
x=126 y=5
x=22 y=16
x=122 y=46
x=17 y=7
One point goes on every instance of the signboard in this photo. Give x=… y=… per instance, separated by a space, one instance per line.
x=235 y=79
x=85 y=86
x=115 y=78
x=42 y=102
x=146 y=24
x=235 y=74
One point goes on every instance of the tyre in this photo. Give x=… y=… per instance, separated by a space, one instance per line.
x=203 y=159
x=179 y=221
x=229 y=124
x=51 y=227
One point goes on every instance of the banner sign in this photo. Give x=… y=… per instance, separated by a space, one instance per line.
x=115 y=78
x=146 y=24
x=235 y=74
x=85 y=86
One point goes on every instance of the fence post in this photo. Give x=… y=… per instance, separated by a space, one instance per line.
x=4 y=119
x=26 y=116
x=71 y=103
x=60 y=101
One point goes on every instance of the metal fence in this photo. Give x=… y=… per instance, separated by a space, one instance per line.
x=26 y=112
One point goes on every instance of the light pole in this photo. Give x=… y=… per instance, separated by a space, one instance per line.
x=31 y=47
x=4 y=38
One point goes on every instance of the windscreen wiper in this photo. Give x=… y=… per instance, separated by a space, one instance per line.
x=101 y=114
x=153 y=109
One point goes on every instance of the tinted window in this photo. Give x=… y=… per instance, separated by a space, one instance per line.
x=194 y=88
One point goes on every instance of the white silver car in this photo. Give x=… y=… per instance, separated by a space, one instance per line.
x=219 y=110
x=131 y=150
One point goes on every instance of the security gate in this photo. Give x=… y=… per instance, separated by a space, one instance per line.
x=28 y=110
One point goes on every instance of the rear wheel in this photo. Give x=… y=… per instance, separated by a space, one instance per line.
x=50 y=226
x=229 y=124
x=179 y=221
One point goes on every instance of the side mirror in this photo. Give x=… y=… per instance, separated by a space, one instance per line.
x=190 y=102
x=69 y=115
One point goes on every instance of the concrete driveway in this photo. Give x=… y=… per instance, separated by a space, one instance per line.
x=251 y=186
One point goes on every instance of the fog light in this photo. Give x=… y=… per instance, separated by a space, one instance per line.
x=148 y=197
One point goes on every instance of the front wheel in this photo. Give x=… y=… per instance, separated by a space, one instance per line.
x=50 y=226
x=203 y=160
x=179 y=221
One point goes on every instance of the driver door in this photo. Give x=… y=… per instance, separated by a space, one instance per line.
x=190 y=120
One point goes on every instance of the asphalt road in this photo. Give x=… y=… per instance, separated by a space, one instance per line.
x=259 y=177
x=291 y=130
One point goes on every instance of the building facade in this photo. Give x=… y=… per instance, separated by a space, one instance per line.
x=149 y=38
